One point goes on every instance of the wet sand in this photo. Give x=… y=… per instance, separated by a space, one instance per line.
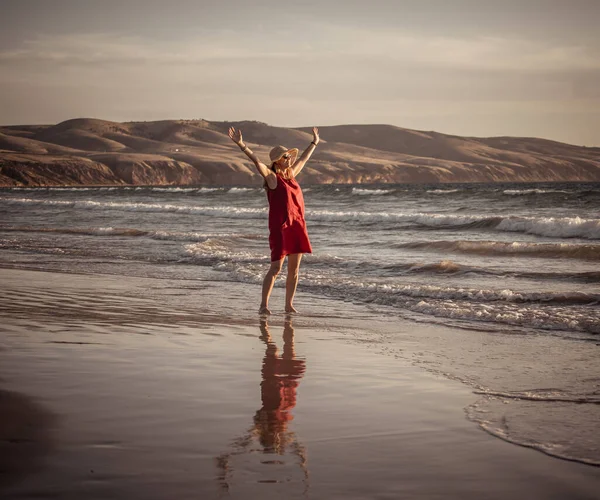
x=147 y=388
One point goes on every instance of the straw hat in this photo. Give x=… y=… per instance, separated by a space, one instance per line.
x=278 y=151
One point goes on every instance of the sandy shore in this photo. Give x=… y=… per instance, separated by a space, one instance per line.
x=148 y=388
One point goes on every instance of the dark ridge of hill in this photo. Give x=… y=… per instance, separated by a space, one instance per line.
x=21 y=144
x=48 y=170
x=93 y=151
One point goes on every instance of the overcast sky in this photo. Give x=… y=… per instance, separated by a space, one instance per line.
x=467 y=67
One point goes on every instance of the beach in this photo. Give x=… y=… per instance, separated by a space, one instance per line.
x=446 y=344
x=156 y=388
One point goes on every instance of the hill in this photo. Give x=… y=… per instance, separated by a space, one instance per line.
x=99 y=152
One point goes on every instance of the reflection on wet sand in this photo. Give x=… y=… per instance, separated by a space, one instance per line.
x=269 y=438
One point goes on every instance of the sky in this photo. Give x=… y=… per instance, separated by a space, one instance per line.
x=466 y=67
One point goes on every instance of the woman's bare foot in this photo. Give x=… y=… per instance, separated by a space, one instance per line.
x=290 y=309
x=264 y=310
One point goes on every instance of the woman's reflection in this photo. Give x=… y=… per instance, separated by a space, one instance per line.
x=281 y=374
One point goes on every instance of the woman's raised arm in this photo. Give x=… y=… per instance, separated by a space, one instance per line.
x=299 y=165
x=266 y=172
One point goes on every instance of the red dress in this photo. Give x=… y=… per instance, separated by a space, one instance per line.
x=287 y=227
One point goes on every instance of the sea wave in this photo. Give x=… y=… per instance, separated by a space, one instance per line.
x=374 y=192
x=525 y=192
x=483 y=295
x=180 y=190
x=223 y=211
x=544 y=250
x=184 y=236
x=557 y=227
x=442 y=267
x=173 y=189
x=443 y=191
x=59 y=189
x=362 y=267
x=218 y=252
x=496 y=306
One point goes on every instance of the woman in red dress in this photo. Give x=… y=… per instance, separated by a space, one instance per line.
x=287 y=227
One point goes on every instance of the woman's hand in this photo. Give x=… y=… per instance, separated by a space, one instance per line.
x=315 y=135
x=236 y=136
x=300 y=162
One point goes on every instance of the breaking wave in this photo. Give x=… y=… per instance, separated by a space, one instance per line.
x=443 y=191
x=363 y=192
x=544 y=250
x=525 y=192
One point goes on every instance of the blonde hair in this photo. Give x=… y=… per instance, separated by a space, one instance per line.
x=287 y=173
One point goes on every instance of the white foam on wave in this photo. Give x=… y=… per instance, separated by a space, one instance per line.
x=503 y=306
x=374 y=192
x=557 y=227
x=219 y=211
x=237 y=190
x=443 y=191
x=184 y=236
x=57 y=188
x=200 y=237
x=101 y=230
x=434 y=220
x=224 y=255
x=520 y=248
x=173 y=190
x=524 y=192
x=170 y=236
x=566 y=318
x=484 y=295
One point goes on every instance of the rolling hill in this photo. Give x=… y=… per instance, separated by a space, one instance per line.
x=87 y=151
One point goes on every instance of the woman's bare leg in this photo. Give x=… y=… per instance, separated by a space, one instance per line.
x=292 y=280
x=267 y=286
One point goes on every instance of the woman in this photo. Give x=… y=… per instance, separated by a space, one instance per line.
x=287 y=227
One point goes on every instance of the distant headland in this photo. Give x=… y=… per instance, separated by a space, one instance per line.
x=91 y=152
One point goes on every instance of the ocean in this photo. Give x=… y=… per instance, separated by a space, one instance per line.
x=496 y=261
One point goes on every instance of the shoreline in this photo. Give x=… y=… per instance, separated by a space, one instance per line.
x=257 y=184
x=155 y=381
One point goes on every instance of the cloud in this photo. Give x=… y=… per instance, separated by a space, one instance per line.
x=487 y=53
x=317 y=43
x=339 y=61
x=337 y=72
